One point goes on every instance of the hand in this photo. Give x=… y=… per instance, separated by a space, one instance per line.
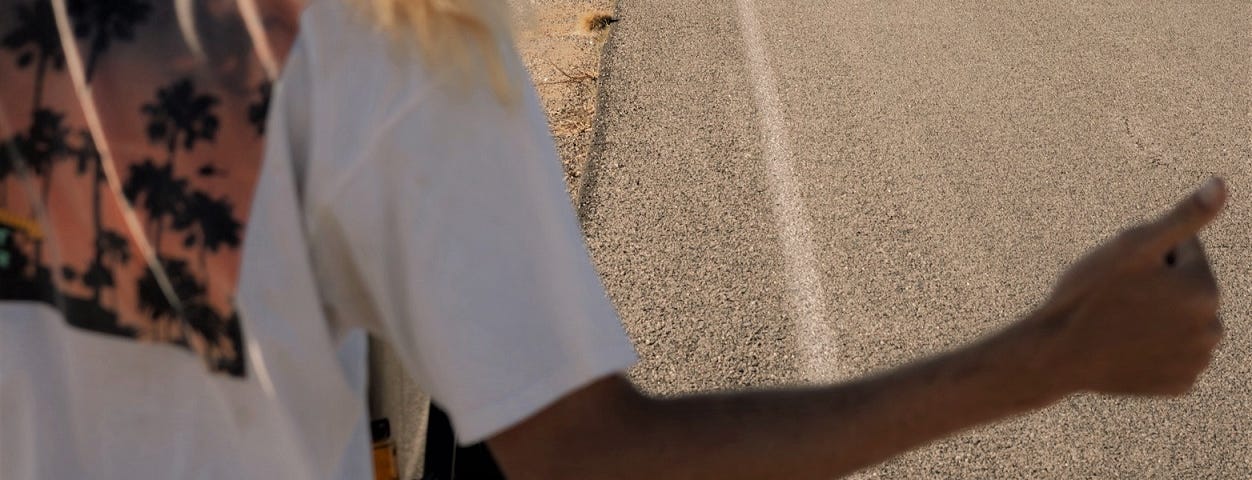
x=1138 y=315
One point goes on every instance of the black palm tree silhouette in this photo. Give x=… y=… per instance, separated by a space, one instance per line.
x=152 y=299
x=85 y=154
x=181 y=117
x=35 y=40
x=88 y=158
x=45 y=144
x=206 y=322
x=111 y=248
x=210 y=223
x=258 y=110
x=160 y=194
x=114 y=246
x=102 y=21
x=233 y=331
x=8 y=167
x=97 y=275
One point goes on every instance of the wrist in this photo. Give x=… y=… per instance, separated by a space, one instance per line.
x=1031 y=359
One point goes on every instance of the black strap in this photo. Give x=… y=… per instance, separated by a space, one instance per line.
x=446 y=461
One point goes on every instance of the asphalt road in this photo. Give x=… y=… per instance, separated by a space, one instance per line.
x=825 y=189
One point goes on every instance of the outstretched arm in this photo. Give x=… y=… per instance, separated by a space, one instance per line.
x=1136 y=316
x=609 y=431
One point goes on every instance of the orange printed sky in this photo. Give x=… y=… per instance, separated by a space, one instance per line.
x=127 y=77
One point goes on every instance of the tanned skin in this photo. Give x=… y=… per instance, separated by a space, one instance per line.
x=1136 y=316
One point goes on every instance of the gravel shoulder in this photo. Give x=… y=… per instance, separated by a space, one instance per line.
x=561 y=42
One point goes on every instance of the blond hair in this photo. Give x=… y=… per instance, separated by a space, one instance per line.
x=464 y=37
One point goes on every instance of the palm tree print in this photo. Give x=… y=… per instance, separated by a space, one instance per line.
x=204 y=321
x=154 y=189
x=180 y=117
x=103 y=21
x=38 y=149
x=47 y=142
x=111 y=249
x=110 y=246
x=210 y=224
x=8 y=167
x=72 y=245
x=258 y=111
x=152 y=300
x=233 y=336
x=43 y=145
x=35 y=40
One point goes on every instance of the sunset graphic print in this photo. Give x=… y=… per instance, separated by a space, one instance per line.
x=124 y=204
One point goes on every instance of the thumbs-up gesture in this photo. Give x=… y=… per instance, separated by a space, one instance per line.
x=1138 y=315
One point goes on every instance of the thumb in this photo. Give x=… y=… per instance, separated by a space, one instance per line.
x=1188 y=217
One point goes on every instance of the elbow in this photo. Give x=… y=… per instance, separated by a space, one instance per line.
x=586 y=434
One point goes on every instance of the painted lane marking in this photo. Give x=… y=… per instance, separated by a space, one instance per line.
x=815 y=336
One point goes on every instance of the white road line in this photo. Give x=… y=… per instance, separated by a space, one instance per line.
x=815 y=337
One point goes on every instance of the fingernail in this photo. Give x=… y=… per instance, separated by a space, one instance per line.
x=1210 y=192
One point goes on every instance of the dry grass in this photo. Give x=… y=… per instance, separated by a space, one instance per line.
x=595 y=21
x=561 y=45
x=579 y=75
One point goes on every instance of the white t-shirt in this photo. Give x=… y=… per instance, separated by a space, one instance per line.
x=389 y=200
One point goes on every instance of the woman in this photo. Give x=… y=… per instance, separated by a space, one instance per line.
x=182 y=300
x=409 y=185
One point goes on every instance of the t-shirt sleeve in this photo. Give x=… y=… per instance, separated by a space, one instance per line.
x=454 y=240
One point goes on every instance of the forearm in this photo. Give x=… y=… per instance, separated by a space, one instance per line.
x=805 y=433
x=1136 y=316
x=823 y=432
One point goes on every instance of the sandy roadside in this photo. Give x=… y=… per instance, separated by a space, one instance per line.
x=561 y=42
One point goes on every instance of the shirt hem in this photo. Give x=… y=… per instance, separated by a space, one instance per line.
x=480 y=424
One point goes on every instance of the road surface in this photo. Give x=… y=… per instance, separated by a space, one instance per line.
x=787 y=192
